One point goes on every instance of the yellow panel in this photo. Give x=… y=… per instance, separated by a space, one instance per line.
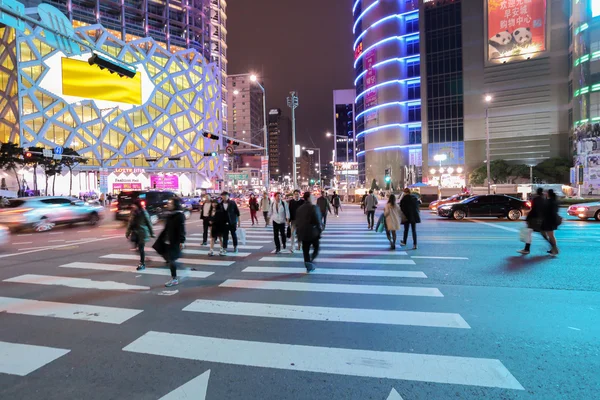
x=90 y=82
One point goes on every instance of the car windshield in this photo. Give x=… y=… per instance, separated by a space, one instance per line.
x=127 y=198
x=15 y=203
x=469 y=199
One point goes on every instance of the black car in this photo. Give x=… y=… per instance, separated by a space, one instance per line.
x=156 y=203
x=493 y=205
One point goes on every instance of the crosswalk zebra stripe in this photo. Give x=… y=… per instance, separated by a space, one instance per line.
x=332 y=288
x=483 y=372
x=191 y=261
x=356 y=245
x=240 y=246
x=341 y=260
x=366 y=252
x=147 y=271
x=335 y=271
x=341 y=239
x=79 y=283
x=23 y=359
x=330 y=314
x=199 y=239
x=230 y=253
x=83 y=312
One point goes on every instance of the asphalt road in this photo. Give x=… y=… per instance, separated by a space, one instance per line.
x=463 y=317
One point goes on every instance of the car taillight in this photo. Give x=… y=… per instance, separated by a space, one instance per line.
x=528 y=204
x=582 y=208
x=17 y=211
x=143 y=203
x=114 y=209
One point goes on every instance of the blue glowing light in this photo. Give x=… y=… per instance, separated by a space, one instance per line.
x=408 y=16
x=363 y=14
x=393 y=103
x=378 y=128
x=409 y=36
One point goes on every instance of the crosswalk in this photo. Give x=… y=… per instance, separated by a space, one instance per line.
x=353 y=262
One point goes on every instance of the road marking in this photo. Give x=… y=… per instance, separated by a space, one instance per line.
x=84 y=231
x=367 y=252
x=79 y=283
x=205 y=253
x=394 y=395
x=83 y=312
x=240 y=246
x=56 y=240
x=108 y=235
x=247 y=241
x=147 y=271
x=354 y=246
x=23 y=359
x=335 y=271
x=25 y=234
x=332 y=288
x=497 y=226
x=365 y=241
x=195 y=389
x=575 y=329
x=191 y=261
x=440 y=258
x=358 y=315
x=364 y=363
x=22 y=243
x=37 y=249
x=340 y=260
x=56 y=233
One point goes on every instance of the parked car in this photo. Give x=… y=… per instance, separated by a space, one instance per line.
x=155 y=202
x=433 y=206
x=43 y=213
x=192 y=203
x=496 y=205
x=585 y=211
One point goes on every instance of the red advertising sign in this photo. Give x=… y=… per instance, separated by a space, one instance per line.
x=358 y=51
x=370 y=81
x=516 y=27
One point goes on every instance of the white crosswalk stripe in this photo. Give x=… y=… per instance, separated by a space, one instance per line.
x=79 y=283
x=23 y=359
x=190 y=261
x=240 y=246
x=130 y=269
x=366 y=252
x=340 y=260
x=338 y=271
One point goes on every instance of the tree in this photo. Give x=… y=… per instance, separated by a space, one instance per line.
x=518 y=171
x=70 y=159
x=553 y=170
x=374 y=185
x=34 y=161
x=51 y=168
x=478 y=176
x=11 y=158
x=500 y=172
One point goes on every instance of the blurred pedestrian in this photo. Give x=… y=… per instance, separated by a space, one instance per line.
x=337 y=203
x=410 y=208
x=139 y=230
x=254 y=207
x=280 y=215
x=550 y=221
x=392 y=213
x=218 y=223
x=205 y=215
x=231 y=223
x=370 y=207
x=265 y=206
x=534 y=219
x=171 y=241
x=294 y=204
x=308 y=221
x=324 y=208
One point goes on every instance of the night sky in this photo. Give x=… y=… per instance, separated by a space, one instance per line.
x=295 y=45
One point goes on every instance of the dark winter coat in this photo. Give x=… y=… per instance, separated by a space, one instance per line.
x=535 y=216
x=335 y=200
x=174 y=234
x=550 y=217
x=232 y=212
x=139 y=226
x=323 y=205
x=294 y=205
x=410 y=208
x=308 y=222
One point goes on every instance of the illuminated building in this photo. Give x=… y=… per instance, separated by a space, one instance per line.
x=343 y=125
x=280 y=144
x=387 y=70
x=130 y=130
x=245 y=111
x=218 y=47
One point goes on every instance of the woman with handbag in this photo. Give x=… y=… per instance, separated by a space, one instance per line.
x=253 y=204
x=533 y=220
x=171 y=241
x=139 y=230
x=550 y=221
x=392 y=213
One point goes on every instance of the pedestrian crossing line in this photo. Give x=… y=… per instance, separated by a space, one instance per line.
x=247 y=241
x=78 y=283
x=440 y=258
x=329 y=360
x=130 y=269
x=354 y=246
x=332 y=288
x=341 y=239
x=191 y=261
x=367 y=252
x=23 y=359
x=82 y=312
x=205 y=252
x=336 y=271
x=329 y=314
x=241 y=246
x=340 y=260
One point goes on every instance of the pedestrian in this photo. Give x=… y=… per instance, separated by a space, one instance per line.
x=218 y=223
x=362 y=203
x=550 y=221
x=534 y=219
x=337 y=203
x=293 y=204
x=139 y=229
x=109 y=198
x=205 y=215
x=102 y=199
x=171 y=241
x=409 y=205
x=265 y=206
x=392 y=213
x=253 y=205
x=324 y=207
x=308 y=220
x=370 y=207
x=231 y=223
x=280 y=215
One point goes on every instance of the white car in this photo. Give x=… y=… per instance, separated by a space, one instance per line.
x=585 y=211
x=4 y=235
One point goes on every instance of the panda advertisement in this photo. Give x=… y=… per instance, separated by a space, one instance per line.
x=515 y=28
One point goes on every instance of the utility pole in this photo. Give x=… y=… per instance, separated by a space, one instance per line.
x=292 y=102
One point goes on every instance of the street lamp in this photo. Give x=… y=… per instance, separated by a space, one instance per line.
x=292 y=103
x=488 y=100
x=335 y=137
x=236 y=92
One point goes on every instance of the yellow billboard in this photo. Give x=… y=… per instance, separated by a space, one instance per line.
x=81 y=79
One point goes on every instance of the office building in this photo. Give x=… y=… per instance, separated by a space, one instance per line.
x=245 y=112
x=344 y=145
x=280 y=144
x=218 y=49
x=388 y=106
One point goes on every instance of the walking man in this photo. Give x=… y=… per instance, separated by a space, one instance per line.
x=370 y=207
x=140 y=230
x=550 y=221
x=410 y=208
x=172 y=238
x=294 y=205
x=534 y=218
x=217 y=219
x=308 y=220
x=335 y=200
x=205 y=215
x=324 y=207
x=265 y=204
x=231 y=223
x=280 y=215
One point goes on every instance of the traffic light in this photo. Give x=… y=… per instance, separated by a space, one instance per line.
x=232 y=142
x=312 y=181
x=112 y=65
x=28 y=155
x=213 y=154
x=388 y=177
x=210 y=136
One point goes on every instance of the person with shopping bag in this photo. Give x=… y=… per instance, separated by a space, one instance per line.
x=533 y=221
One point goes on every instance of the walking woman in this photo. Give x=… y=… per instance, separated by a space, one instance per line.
x=410 y=208
x=171 y=241
x=139 y=229
x=218 y=224
x=392 y=212
x=265 y=206
x=253 y=204
x=550 y=221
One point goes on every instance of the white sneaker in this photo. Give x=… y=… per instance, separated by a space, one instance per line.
x=222 y=252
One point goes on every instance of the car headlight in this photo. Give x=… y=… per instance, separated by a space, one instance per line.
x=445 y=207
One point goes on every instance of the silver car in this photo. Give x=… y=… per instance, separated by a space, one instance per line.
x=43 y=213
x=585 y=210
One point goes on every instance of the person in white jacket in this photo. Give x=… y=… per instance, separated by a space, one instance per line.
x=280 y=215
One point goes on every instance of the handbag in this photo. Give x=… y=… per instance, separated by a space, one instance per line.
x=558 y=220
x=288 y=232
x=380 y=224
x=241 y=233
x=160 y=246
x=525 y=234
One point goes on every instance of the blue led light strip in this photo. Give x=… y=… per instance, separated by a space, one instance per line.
x=389 y=17
x=407 y=124
x=407 y=37
x=363 y=14
x=393 y=103
x=398 y=81
x=379 y=64
x=355 y=5
x=406 y=146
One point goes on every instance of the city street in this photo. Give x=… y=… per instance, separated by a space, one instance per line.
x=463 y=316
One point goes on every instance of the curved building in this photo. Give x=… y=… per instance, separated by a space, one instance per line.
x=388 y=90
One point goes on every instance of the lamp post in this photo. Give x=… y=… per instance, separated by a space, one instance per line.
x=488 y=99
x=292 y=103
x=440 y=158
x=266 y=179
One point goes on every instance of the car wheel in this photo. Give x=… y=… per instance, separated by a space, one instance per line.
x=154 y=219
x=43 y=225
x=459 y=214
x=187 y=214
x=514 y=214
x=94 y=218
x=597 y=215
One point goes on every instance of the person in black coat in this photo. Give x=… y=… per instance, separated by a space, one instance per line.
x=409 y=205
x=309 y=228
x=534 y=218
x=550 y=221
x=171 y=241
x=231 y=224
